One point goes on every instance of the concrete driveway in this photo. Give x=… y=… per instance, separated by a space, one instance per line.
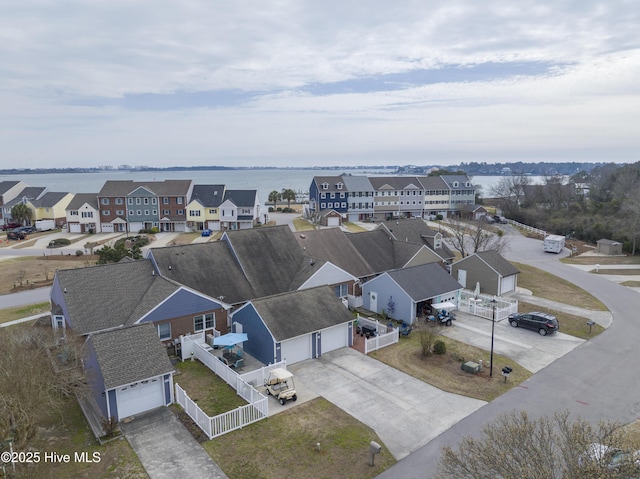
x=167 y=449
x=405 y=412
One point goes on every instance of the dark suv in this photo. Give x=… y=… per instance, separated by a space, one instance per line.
x=542 y=322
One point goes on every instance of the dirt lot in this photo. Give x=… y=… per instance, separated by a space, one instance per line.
x=21 y=273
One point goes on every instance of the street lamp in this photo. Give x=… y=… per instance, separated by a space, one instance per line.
x=493 y=326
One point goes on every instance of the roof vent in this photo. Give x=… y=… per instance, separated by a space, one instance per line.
x=153 y=272
x=312 y=262
x=169 y=267
x=302 y=236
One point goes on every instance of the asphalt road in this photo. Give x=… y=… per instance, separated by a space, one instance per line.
x=597 y=381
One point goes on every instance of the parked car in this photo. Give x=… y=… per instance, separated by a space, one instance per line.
x=612 y=458
x=26 y=229
x=487 y=219
x=10 y=226
x=500 y=219
x=542 y=322
x=16 y=235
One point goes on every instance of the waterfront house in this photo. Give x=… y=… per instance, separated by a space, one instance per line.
x=83 y=213
x=203 y=210
x=8 y=191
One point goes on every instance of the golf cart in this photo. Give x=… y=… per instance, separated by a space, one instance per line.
x=279 y=384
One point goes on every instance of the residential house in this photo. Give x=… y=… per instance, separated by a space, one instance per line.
x=30 y=193
x=461 y=191
x=239 y=210
x=404 y=293
x=8 y=191
x=360 y=198
x=135 y=205
x=129 y=371
x=328 y=192
x=249 y=264
x=417 y=231
x=203 y=210
x=294 y=326
x=397 y=196
x=83 y=213
x=473 y=212
x=50 y=206
x=489 y=269
x=437 y=196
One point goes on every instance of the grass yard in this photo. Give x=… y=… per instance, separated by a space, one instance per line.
x=67 y=432
x=546 y=285
x=353 y=228
x=212 y=394
x=302 y=225
x=444 y=372
x=569 y=324
x=284 y=445
x=602 y=260
x=10 y=314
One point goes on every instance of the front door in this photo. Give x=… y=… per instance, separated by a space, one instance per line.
x=462 y=277
x=373 y=301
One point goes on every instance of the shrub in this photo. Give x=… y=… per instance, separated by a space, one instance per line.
x=440 y=347
x=79 y=252
x=58 y=242
x=439 y=217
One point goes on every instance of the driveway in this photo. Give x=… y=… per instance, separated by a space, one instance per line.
x=405 y=412
x=166 y=449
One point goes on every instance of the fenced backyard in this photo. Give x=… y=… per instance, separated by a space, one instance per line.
x=194 y=346
x=381 y=335
x=482 y=305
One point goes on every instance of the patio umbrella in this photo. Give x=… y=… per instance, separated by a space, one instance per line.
x=477 y=290
x=230 y=339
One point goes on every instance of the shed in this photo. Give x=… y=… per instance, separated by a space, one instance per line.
x=403 y=293
x=494 y=273
x=294 y=326
x=607 y=246
x=329 y=217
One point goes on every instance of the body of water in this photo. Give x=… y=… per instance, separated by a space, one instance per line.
x=262 y=180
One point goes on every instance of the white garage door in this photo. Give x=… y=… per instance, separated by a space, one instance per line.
x=107 y=227
x=334 y=338
x=508 y=284
x=296 y=349
x=333 y=221
x=75 y=228
x=140 y=397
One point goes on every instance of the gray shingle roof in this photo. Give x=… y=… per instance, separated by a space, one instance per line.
x=332 y=244
x=6 y=186
x=433 y=183
x=270 y=258
x=332 y=181
x=30 y=192
x=416 y=231
x=111 y=295
x=208 y=195
x=130 y=355
x=49 y=200
x=160 y=188
x=497 y=262
x=80 y=199
x=357 y=183
x=395 y=182
x=381 y=251
x=425 y=281
x=207 y=267
x=289 y=315
x=241 y=198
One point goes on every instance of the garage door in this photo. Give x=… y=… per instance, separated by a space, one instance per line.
x=333 y=221
x=139 y=397
x=75 y=228
x=107 y=227
x=334 y=338
x=296 y=349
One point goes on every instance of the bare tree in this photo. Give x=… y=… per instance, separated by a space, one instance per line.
x=36 y=375
x=510 y=192
x=467 y=238
x=517 y=445
x=428 y=333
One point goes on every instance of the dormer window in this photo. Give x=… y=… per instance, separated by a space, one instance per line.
x=325 y=186
x=467 y=184
x=455 y=184
x=339 y=186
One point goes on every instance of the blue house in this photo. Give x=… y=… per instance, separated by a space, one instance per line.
x=328 y=193
x=294 y=326
x=402 y=293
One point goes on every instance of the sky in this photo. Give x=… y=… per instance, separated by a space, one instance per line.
x=317 y=83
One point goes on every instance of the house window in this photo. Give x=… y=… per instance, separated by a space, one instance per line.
x=329 y=205
x=129 y=201
x=146 y=201
x=164 y=331
x=139 y=212
x=154 y=212
x=332 y=195
x=323 y=195
x=204 y=321
x=194 y=212
x=340 y=290
x=213 y=211
x=166 y=212
x=118 y=213
x=73 y=213
x=180 y=212
x=119 y=201
x=339 y=185
x=165 y=201
x=146 y=212
x=344 y=205
x=87 y=214
x=105 y=201
x=179 y=200
x=106 y=212
x=130 y=212
x=58 y=322
x=342 y=194
x=325 y=186
x=323 y=205
x=153 y=201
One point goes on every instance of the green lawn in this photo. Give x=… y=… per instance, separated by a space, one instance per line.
x=19 y=312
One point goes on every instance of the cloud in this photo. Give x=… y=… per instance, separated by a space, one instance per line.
x=305 y=82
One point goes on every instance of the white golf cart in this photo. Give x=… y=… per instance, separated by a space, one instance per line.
x=279 y=384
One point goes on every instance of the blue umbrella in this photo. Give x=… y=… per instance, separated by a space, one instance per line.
x=230 y=339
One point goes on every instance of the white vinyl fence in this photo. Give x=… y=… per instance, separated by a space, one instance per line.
x=482 y=305
x=385 y=335
x=194 y=346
